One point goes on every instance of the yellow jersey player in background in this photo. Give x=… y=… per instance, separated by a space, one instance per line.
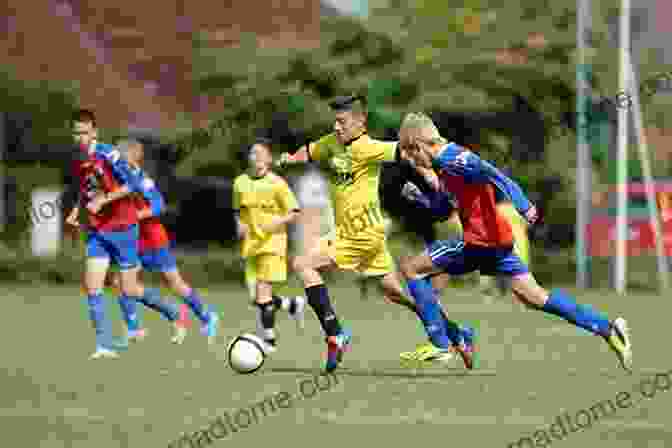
x=353 y=161
x=264 y=205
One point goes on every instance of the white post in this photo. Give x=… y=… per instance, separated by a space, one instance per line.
x=654 y=216
x=46 y=217
x=622 y=157
x=583 y=158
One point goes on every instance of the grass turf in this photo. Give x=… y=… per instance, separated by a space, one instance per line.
x=532 y=370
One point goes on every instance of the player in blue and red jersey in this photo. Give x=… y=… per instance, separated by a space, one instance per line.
x=105 y=186
x=154 y=247
x=487 y=244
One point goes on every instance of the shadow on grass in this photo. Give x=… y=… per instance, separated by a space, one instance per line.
x=456 y=372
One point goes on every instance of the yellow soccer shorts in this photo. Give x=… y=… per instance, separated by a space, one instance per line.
x=365 y=254
x=269 y=268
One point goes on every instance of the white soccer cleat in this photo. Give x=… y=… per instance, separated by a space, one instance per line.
x=299 y=312
x=619 y=341
x=179 y=333
x=104 y=353
x=269 y=349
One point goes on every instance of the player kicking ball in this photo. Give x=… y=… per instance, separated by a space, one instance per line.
x=488 y=240
x=264 y=205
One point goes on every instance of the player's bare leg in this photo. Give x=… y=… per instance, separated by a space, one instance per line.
x=94 y=282
x=556 y=302
x=308 y=268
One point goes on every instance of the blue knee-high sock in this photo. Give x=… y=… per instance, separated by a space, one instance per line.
x=197 y=307
x=152 y=300
x=429 y=312
x=101 y=325
x=583 y=316
x=129 y=310
x=453 y=330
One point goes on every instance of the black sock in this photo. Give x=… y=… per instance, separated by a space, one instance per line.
x=267 y=312
x=318 y=299
x=277 y=302
x=292 y=306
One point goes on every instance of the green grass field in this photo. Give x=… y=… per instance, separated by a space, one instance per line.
x=532 y=369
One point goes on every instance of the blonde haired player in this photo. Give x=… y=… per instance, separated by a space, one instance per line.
x=264 y=205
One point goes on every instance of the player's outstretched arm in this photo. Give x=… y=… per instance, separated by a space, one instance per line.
x=300 y=156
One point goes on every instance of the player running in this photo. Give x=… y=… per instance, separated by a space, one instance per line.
x=155 y=254
x=353 y=161
x=410 y=195
x=105 y=185
x=264 y=205
x=487 y=244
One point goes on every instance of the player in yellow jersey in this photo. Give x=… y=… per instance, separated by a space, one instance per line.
x=353 y=162
x=264 y=206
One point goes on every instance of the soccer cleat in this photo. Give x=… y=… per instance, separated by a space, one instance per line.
x=269 y=348
x=467 y=348
x=619 y=341
x=427 y=353
x=210 y=328
x=336 y=346
x=137 y=335
x=104 y=353
x=299 y=311
x=179 y=333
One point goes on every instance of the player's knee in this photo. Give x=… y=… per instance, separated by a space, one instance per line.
x=407 y=267
x=300 y=264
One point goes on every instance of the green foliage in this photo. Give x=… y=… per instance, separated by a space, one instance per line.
x=49 y=105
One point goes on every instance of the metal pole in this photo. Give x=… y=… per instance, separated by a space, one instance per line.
x=654 y=216
x=622 y=157
x=583 y=159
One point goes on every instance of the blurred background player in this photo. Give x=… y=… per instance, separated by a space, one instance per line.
x=150 y=298
x=112 y=230
x=487 y=244
x=264 y=205
x=155 y=254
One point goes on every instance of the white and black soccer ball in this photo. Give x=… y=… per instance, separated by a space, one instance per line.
x=246 y=353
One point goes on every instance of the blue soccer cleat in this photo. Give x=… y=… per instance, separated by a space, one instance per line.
x=336 y=346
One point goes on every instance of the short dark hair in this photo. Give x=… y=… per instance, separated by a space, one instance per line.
x=84 y=116
x=355 y=103
x=243 y=154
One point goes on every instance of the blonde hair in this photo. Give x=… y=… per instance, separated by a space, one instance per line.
x=421 y=122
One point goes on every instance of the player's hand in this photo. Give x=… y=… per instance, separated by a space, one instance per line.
x=531 y=215
x=96 y=204
x=243 y=231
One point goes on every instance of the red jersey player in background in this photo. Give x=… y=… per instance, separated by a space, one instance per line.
x=105 y=185
x=488 y=241
x=154 y=247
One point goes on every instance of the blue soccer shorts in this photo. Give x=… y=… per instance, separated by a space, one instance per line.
x=120 y=247
x=158 y=260
x=457 y=258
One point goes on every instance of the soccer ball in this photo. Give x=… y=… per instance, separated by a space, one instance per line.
x=246 y=353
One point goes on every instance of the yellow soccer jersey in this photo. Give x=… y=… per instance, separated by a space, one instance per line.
x=354 y=174
x=259 y=202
